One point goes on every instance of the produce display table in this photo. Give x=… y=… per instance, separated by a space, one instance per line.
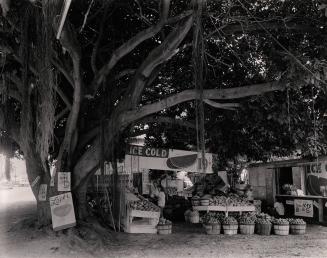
x=225 y=209
x=309 y=206
x=139 y=221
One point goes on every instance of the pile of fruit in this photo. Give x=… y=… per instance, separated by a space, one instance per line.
x=264 y=218
x=163 y=221
x=232 y=200
x=229 y=221
x=144 y=205
x=247 y=218
x=171 y=191
x=281 y=222
x=212 y=218
x=296 y=221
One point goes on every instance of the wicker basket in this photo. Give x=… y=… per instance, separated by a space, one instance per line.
x=194 y=217
x=281 y=230
x=298 y=229
x=230 y=229
x=247 y=229
x=263 y=229
x=212 y=229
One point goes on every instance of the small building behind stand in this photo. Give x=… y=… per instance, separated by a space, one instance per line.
x=299 y=184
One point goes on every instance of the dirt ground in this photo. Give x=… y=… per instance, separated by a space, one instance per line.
x=186 y=241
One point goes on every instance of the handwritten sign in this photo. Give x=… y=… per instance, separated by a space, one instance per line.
x=303 y=208
x=62 y=211
x=43 y=192
x=63 y=181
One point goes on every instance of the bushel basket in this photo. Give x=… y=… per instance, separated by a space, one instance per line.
x=212 y=228
x=281 y=230
x=298 y=229
x=247 y=229
x=230 y=229
x=263 y=229
x=164 y=229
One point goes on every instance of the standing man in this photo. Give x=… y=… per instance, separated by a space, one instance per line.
x=161 y=200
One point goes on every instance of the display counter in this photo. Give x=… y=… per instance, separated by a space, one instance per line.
x=225 y=209
x=308 y=206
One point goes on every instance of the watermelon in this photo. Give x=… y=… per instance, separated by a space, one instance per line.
x=182 y=161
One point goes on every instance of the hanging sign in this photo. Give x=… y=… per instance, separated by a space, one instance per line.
x=303 y=208
x=62 y=211
x=64 y=181
x=139 y=158
x=43 y=192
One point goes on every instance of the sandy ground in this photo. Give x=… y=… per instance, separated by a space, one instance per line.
x=186 y=241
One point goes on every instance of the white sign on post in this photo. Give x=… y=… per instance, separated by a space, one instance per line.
x=43 y=192
x=303 y=208
x=64 y=181
x=62 y=211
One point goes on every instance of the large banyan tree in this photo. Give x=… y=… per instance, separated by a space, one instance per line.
x=119 y=64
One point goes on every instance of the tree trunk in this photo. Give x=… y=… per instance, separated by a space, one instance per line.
x=81 y=201
x=37 y=176
x=44 y=213
x=7 y=169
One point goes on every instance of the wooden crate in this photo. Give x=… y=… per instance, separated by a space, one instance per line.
x=144 y=214
x=137 y=221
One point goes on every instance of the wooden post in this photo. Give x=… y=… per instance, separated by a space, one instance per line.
x=321 y=210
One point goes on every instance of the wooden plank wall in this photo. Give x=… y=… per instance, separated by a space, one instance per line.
x=262 y=180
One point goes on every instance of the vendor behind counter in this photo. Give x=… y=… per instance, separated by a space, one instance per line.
x=211 y=184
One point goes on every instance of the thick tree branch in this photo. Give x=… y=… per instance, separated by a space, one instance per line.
x=166 y=120
x=130 y=45
x=64 y=71
x=87 y=138
x=187 y=95
x=62 y=113
x=164 y=9
x=229 y=106
x=268 y=25
x=157 y=56
x=69 y=41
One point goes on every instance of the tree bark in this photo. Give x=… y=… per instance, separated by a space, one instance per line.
x=81 y=201
x=44 y=213
x=37 y=176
